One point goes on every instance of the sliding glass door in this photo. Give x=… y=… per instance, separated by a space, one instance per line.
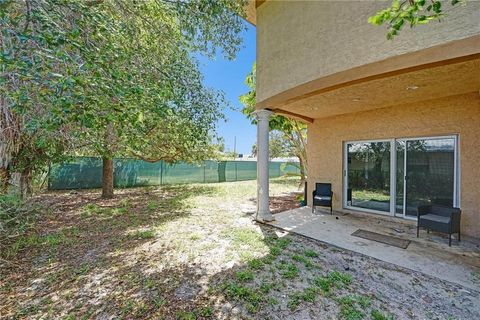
x=369 y=175
x=396 y=176
x=430 y=173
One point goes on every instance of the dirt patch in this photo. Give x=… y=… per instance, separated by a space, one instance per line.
x=285 y=202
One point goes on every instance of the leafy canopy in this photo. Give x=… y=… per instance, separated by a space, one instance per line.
x=412 y=12
x=289 y=137
x=112 y=77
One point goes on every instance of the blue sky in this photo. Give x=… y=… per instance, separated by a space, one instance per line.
x=229 y=76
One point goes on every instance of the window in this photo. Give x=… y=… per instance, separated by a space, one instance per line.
x=396 y=176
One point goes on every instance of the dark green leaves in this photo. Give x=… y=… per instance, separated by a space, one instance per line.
x=74 y=70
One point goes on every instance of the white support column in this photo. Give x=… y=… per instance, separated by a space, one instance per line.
x=263 y=210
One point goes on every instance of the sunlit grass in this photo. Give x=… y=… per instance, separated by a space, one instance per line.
x=366 y=195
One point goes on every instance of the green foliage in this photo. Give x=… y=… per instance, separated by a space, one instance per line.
x=205 y=312
x=413 y=12
x=185 y=315
x=310 y=253
x=278 y=146
x=334 y=279
x=294 y=301
x=291 y=135
x=143 y=234
x=244 y=276
x=377 y=315
x=291 y=271
x=309 y=294
x=252 y=297
x=349 y=309
x=305 y=260
x=255 y=264
x=111 y=77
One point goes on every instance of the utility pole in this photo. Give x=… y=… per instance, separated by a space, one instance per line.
x=234 y=148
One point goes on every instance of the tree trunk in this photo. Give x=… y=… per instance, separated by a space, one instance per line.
x=302 y=172
x=4 y=177
x=26 y=183
x=107 y=178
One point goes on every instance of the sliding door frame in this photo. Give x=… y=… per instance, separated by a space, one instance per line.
x=345 y=176
x=393 y=173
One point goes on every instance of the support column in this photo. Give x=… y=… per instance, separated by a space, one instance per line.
x=263 y=210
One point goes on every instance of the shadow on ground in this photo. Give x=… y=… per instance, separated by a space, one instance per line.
x=156 y=253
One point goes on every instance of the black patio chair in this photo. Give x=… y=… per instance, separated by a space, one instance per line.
x=322 y=196
x=444 y=219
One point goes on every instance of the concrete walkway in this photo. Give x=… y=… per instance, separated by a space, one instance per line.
x=429 y=254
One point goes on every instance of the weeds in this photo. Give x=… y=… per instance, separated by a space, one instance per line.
x=310 y=253
x=143 y=234
x=291 y=271
x=205 y=312
x=16 y=217
x=308 y=295
x=255 y=264
x=294 y=301
x=377 y=315
x=302 y=259
x=244 y=276
x=186 y=315
x=266 y=287
x=349 y=309
x=252 y=298
x=51 y=240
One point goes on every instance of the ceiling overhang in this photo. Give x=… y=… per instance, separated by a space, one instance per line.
x=447 y=69
x=251 y=10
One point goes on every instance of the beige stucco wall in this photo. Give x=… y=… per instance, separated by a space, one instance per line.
x=300 y=41
x=454 y=115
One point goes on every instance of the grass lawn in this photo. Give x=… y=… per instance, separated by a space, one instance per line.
x=366 y=195
x=193 y=252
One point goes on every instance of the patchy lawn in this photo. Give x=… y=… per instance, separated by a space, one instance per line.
x=192 y=252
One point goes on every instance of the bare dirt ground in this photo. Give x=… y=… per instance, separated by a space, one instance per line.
x=193 y=252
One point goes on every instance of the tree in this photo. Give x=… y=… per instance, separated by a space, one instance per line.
x=111 y=78
x=413 y=12
x=278 y=146
x=294 y=132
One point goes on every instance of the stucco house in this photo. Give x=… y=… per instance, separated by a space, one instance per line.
x=393 y=123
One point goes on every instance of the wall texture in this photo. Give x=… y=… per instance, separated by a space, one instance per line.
x=454 y=115
x=300 y=41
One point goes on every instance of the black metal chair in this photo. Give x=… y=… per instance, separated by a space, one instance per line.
x=439 y=218
x=322 y=196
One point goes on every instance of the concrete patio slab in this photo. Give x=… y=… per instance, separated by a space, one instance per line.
x=428 y=254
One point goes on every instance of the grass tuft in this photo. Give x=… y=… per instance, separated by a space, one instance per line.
x=143 y=234
x=310 y=253
x=291 y=271
x=377 y=315
x=244 y=276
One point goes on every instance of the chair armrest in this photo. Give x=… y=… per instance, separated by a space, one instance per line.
x=455 y=220
x=422 y=210
x=456 y=213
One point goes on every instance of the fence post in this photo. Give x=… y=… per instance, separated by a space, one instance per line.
x=161 y=172
x=49 y=186
x=236 y=175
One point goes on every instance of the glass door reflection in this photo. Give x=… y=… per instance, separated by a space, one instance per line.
x=369 y=175
x=429 y=174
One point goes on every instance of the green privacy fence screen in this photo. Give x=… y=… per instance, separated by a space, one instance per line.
x=86 y=172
